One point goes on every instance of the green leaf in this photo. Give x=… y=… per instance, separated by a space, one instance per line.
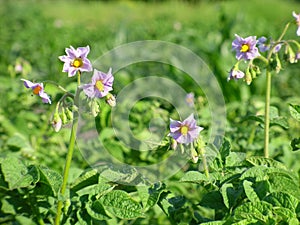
x=154 y=194
x=95 y=189
x=17 y=174
x=50 y=182
x=219 y=222
x=96 y=210
x=282 y=199
x=267 y=162
x=250 y=192
x=213 y=200
x=257 y=173
x=295 y=111
x=87 y=178
x=121 y=205
x=22 y=220
x=194 y=177
x=275 y=119
x=282 y=182
x=228 y=194
x=225 y=149
x=253 y=210
x=295 y=143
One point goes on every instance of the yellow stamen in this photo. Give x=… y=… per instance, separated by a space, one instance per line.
x=245 y=48
x=77 y=63
x=184 y=130
x=99 y=85
x=36 y=90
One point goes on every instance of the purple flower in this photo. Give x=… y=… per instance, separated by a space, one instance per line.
x=245 y=47
x=264 y=45
x=76 y=60
x=297 y=17
x=100 y=86
x=186 y=131
x=37 y=89
x=189 y=99
x=235 y=74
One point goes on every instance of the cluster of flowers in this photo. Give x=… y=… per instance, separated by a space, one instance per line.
x=76 y=62
x=250 y=48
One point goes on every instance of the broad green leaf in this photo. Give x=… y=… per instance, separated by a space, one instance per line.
x=50 y=182
x=7 y=207
x=250 y=192
x=295 y=143
x=123 y=176
x=87 y=178
x=22 y=220
x=17 y=174
x=154 y=194
x=213 y=200
x=253 y=210
x=275 y=119
x=225 y=149
x=280 y=182
x=121 y=205
x=17 y=142
x=282 y=199
x=284 y=214
x=194 y=177
x=228 y=194
x=257 y=173
x=83 y=217
x=248 y=221
x=95 y=189
x=267 y=162
x=295 y=111
x=235 y=158
x=96 y=210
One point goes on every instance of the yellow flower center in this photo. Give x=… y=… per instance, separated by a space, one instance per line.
x=36 y=90
x=184 y=130
x=99 y=85
x=245 y=48
x=77 y=63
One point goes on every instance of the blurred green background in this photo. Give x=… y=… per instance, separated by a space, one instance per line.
x=37 y=32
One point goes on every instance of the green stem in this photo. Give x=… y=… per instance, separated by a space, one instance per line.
x=267 y=113
x=69 y=155
x=205 y=167
x=58 y=86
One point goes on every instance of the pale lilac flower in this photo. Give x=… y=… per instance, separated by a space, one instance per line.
x=264 y=45
x=245 y=47
x=297 y=17
x=100 y=86
x=76 y=60
x=186 y=131
x=235 y=74
x=189 y=99
x=37 y=89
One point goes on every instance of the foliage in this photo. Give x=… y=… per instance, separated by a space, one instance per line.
x=242 y=187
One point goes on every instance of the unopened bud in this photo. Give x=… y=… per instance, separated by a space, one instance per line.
x=174 y=144
x=63 y=116
x=111 y=100
x=56 y=122
x=292 y=55
x=248 y=77
x=69 y=114
x=194 y=155
x=95 y=108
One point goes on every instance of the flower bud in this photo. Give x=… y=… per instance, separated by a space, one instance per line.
x=111 y=100
x=292 y=55
x=69 y=114
x=194 y=155
x=248 y=77
x=94 y=108
x=63 y=116
x=56 y=122
x=173 y=144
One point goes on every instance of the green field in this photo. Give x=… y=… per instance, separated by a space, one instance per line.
x=240 y=186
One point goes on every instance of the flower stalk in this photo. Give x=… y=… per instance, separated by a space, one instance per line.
x=69 y=154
